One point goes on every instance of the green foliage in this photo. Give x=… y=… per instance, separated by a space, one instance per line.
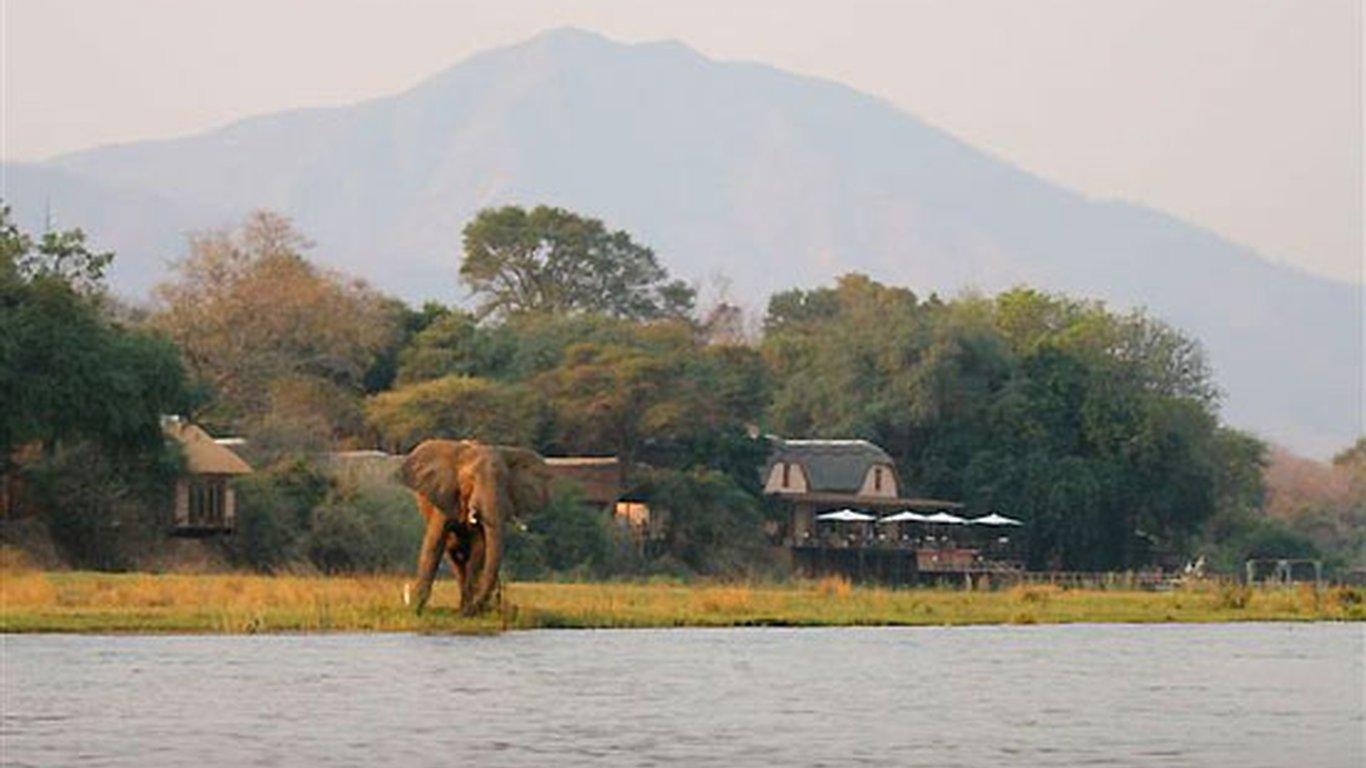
x=103 y=511
x=59 y=256
x=1234 y=538
x=451 y=345
x=524 y=555
x=1098 y=429
x=1353 y=457
x=713 y=524
x=659 y=394
x=454 y=407
x=367 y=527
x=582 y=383
x=408 y=324
x=67 y=373
x=274 y=511
x=573 y=535
x=295 y=515
x=554 y=261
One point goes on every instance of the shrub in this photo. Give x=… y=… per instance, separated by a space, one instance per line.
x=573 y=535
x=102 y=513
x=274 y=512
x=338 y=539
x=715 y=527
x=364 y=524
x=524 y=556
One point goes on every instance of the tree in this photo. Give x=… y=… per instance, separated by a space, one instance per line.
x=1099 y=429
x=408 y=324
x=248 y=309
x=714 y=526
x=452 y=344
x=67 y=373
x=552 y=260
x=659 y=394
x=454 y=407
x=88 y=392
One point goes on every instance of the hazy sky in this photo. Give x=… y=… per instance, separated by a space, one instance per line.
x=1239 y=115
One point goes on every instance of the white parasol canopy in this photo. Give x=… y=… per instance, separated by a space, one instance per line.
x=845 y=516
x=995 y=519
x=945 y=517
x=904 y=517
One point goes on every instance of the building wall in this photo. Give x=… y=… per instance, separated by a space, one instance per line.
x=229 y=508
x=182 y=502
x=793 y=474
x=880 y=481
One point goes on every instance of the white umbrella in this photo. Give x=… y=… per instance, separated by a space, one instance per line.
x=945 y=517
x=904 y=517
x=845 y=516
x=995 y=519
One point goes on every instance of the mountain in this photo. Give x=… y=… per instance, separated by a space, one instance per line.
x=770 y=179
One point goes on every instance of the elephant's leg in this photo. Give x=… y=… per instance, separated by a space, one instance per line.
x=433 y=544
x=487 y=574
x=474 y=562
x=459 y=551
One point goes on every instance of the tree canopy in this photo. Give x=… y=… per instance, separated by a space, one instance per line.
x=67 y=371
x=247 y=309
x=1097 y=428
x=551 y=260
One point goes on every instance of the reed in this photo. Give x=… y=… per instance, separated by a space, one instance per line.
x=36 y=601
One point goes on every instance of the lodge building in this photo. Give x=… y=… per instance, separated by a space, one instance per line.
x=809 y=477
x=204 y=504
x=806 y=479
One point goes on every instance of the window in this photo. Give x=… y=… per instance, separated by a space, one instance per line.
x=787 y=475
x=208 y=504
x=877 y=478
x=635 y=513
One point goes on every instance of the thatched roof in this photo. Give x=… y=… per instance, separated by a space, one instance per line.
x=599 y=477
x=202 y=455
x=837 y=466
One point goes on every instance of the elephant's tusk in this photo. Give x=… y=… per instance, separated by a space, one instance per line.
x=407 y=594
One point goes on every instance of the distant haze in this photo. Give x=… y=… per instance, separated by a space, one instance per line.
x=773 y=179
x=1242 y=116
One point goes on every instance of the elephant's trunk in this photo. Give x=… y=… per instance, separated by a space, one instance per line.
x=487 y=578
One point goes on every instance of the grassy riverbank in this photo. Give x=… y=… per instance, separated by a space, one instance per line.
x=96 y=602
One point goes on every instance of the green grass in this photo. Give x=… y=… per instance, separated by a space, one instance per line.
x=145 y=603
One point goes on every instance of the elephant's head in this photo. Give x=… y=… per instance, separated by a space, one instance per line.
x=471 y=490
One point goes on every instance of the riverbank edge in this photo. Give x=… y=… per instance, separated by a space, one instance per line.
x=101 y=603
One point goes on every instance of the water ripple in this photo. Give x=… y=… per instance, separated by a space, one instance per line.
x=1248 y=695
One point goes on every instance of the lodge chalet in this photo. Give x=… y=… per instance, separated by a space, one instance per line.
x=204 y=501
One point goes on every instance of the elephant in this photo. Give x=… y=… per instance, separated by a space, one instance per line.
x=468 y=492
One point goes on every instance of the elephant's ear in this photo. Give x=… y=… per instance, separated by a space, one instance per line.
x=432 y=469
x=528 y=479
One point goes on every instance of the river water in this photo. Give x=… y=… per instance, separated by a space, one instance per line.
x=1210 y=695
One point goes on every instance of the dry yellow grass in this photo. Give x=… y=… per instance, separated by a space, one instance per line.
x=235 y=603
